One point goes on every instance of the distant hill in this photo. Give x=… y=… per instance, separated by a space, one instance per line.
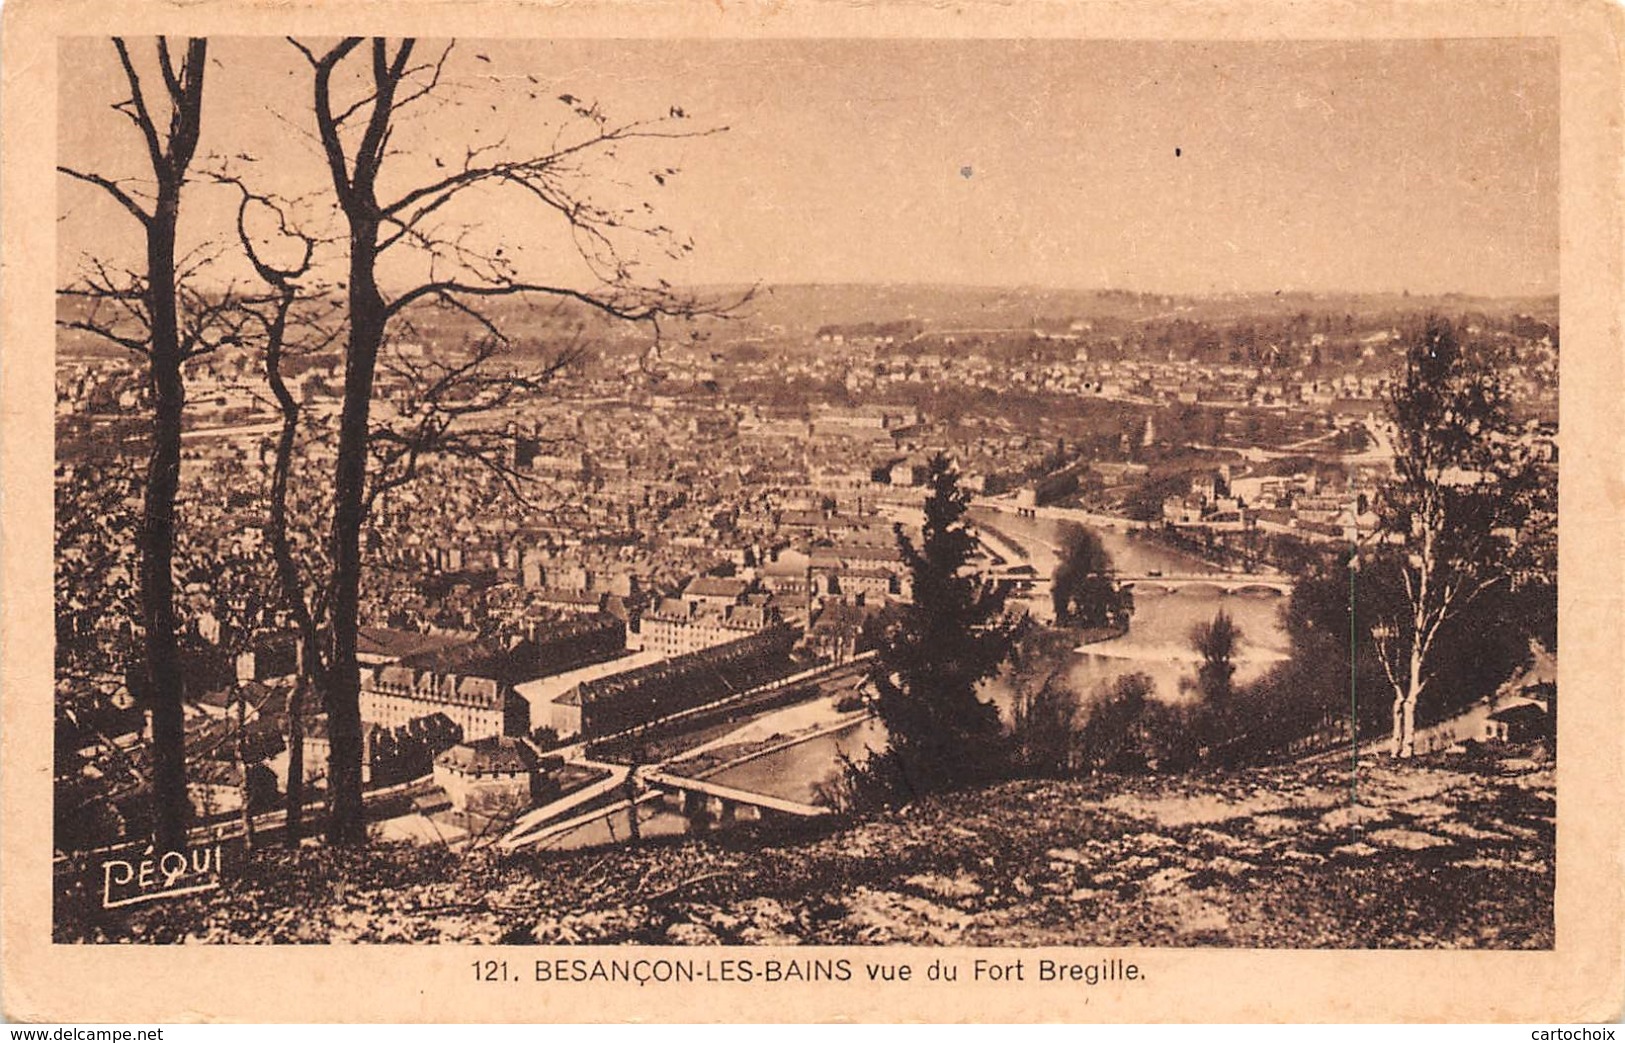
x=804 y=308
x=798 y=311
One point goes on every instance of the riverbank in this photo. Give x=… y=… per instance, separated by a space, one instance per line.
x=1095 y=635
x=744 y=747
x=1442 y=852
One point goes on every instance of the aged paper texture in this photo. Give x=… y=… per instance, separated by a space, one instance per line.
x=796 y=512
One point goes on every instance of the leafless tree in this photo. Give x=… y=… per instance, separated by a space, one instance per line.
x=158 y=311
x=298 y=316
x=355 y=136
x=292 y=316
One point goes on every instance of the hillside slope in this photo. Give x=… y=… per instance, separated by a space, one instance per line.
x=1445 y=852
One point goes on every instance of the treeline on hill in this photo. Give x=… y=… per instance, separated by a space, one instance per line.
x=1334 y=675
x=1331 y=685
x=1340 y=680
x=1275 y=333
x=852 y=307
x=1313 y=336
x=1329 y=688
x=1122 y=726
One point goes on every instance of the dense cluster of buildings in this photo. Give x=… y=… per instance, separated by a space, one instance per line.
x=615 y=702
x=683 y=534
x=1298 y=504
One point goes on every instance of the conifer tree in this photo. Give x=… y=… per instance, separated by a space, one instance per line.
x=952 y=636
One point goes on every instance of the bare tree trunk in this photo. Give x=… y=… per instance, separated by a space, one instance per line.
x=354 y=184
x=242 y=765
x=1407 y=717
x=294 y=805
x=289 y=578
x=169 y=151
x=1402 y=741
x=346 y=823
x=354 y=163
x=157 y=534
x=636 y=834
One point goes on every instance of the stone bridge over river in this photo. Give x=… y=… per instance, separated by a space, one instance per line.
x=1149 y=582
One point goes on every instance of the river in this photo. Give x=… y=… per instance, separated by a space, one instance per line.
x=797 y=772
x=1157 y=644
x=1158 y=639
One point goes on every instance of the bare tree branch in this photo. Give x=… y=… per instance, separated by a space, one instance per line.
x=138 y=103
x=112 y=188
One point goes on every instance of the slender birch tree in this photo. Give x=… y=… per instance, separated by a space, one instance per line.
x=1468 y=509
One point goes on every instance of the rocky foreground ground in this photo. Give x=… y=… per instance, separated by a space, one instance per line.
x=1442 y=852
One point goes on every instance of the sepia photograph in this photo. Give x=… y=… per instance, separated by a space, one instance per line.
x=812 y=506
x=1058 y=492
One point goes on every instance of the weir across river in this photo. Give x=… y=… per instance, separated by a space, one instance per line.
x=1228 y=582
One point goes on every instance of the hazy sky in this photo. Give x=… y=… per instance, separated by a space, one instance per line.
x=1184 y=167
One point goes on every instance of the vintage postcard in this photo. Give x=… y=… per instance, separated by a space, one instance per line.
x=883 y=512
